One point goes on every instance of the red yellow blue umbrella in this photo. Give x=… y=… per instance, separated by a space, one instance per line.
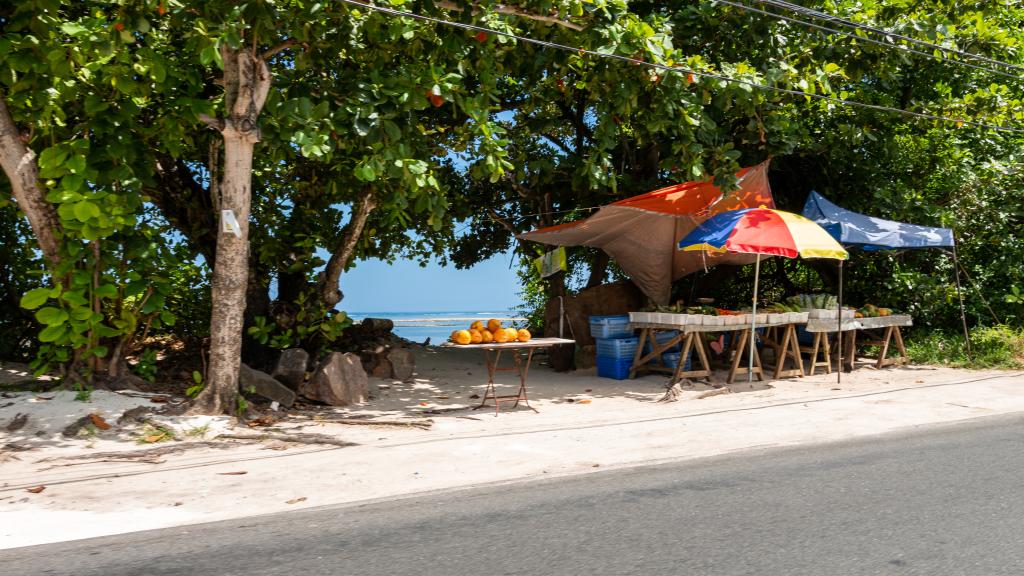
x=763 y=231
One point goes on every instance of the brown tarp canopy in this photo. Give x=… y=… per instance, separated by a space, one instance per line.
x=642 y=233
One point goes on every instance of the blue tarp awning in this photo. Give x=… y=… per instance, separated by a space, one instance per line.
x=870 y=233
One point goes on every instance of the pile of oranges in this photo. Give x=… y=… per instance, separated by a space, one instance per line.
x=480 y=333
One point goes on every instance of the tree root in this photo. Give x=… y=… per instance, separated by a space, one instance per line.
x=146 y=454
x=293 y=438
x=361 y=420
x=672 y=393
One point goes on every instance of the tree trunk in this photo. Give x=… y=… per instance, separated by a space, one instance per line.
x=598 y=268
x=246 y=82
x=329 y=291
x=19 y=163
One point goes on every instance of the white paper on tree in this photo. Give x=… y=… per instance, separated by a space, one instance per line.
x=229 y=223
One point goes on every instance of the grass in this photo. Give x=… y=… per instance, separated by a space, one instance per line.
x=991 y=347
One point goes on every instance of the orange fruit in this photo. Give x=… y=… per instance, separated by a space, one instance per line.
x=494 y=324
x=475 y=336
x=463 y=337
x=487 y=336
x=512 y=334
x=452 y=337
x=478 y=325
x=501 y=336
x=523 y=335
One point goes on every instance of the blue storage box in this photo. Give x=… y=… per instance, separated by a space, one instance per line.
x=803 y=336
x=661 y=337
x=616 y=368
x=610 y=326
x=617 y=347
x=671 y=360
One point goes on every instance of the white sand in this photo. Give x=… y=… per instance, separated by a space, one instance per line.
x=620 y=426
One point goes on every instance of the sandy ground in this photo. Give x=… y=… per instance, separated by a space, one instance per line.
x=584 y=424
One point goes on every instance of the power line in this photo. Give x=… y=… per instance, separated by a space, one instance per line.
x=679 y=69
x=862 y=38
x=849 y=23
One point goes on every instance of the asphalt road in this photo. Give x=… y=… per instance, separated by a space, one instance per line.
x=945 y=501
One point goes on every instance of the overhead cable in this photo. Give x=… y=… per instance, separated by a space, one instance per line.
x=680 y=69
x=862 y=38
x=849 y=23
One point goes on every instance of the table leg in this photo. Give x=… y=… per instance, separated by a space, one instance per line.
x=741 y=345
x=904 y=358
x=789 y=348
x=638 y=355
x=523 y=371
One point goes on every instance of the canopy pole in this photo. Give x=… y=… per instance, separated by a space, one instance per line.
x=753 y=322
x=960 y=296
x=839 y=325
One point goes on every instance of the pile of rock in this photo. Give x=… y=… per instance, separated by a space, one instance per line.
x=339 y=379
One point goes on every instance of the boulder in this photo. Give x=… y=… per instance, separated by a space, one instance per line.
x=402 y=364
x=263 y=384
x=339 y=381
x=290 y=369
x=376 y=326
x=381 y=369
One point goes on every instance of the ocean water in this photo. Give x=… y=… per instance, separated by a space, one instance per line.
x=438 y=326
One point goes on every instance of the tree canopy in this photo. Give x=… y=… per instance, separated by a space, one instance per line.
x=389 y=136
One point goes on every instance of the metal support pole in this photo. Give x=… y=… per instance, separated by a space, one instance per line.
x=960 y=296
x=839 y=325
x=753 y=322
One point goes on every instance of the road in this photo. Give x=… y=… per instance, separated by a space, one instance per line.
x=943 y=501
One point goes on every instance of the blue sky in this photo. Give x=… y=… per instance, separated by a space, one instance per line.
x=376 y=286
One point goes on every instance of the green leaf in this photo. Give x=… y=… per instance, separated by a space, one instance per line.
x=85 y=210
x=53 y=333
x=72 y=28
x=51 y=316
x=106 y=291
x=35 y=298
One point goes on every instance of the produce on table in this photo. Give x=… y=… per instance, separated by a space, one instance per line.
x=872 y=311
x=480 y=333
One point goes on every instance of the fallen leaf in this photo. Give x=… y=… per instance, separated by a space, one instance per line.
x=238 y=473
x=35 y=490
x=296 y=500
x=588 y=390
x=837 y=388
x=596 y=466
x=570 y=399
x=154 y=438
x=160 y=399
x=583 y=401
x=99 y=422
x=261 y=421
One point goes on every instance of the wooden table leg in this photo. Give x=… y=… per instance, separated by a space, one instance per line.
x=904 y=358
x=821 y=345
x=638 y=355
x=789 y=348
x=741 y=344
x=694 y=342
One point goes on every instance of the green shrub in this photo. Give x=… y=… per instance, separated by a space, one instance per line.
x=991 y=347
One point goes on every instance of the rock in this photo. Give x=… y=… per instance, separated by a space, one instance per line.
x=339 y=381
x=586 y=356
x=402 y=364
x=291 y=367
x=381 y=369
x=263 y=384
